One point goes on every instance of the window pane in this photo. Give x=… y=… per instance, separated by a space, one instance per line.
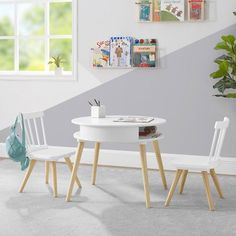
x=31 y=19
x=6 y=19
x=61 y=18
x=6 y=54
x=32 y=55
x=63 y=48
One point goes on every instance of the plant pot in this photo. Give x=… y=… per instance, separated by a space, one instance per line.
x=58 y=71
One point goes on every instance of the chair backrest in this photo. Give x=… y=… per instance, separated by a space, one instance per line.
x=218 y=138
x=35 y=131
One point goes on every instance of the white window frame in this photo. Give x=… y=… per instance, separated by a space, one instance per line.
x=43 y=75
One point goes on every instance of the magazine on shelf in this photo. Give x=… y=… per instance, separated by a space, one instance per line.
x=101 y=54
x=196 y=10
x=134 y=119
x=145 y=10
x=120 y=51
x=148 y=130
x=156 y=10
x=172 y=10
x=145 y=53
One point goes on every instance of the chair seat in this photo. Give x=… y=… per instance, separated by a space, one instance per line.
x=51 y=153
x=194 y=162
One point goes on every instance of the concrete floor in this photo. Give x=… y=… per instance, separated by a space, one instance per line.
x=115 y=206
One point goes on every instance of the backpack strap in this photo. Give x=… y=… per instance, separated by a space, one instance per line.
x=23 y=129
x=13 y=127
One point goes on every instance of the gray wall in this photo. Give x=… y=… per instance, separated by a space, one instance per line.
x=181 y=92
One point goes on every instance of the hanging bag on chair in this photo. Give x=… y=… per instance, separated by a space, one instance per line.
x=15 y=145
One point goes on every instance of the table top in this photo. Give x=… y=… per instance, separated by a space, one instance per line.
x=109 y=122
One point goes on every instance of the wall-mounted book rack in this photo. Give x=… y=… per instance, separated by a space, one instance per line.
x=175 y=10
x=125 y=53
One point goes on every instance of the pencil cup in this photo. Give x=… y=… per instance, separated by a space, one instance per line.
x=98 y=111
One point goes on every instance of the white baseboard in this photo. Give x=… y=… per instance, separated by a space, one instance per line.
x=131 y=159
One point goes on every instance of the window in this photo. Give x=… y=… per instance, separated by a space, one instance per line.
x=31 y=32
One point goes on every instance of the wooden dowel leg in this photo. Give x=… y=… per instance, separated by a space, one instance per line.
x=95 y=163
x=160 y=164
x=46 y=172
x=173 y=187
x=183 y=180
x=27 y=175
x=145 y=174
x=70 y=166
x=78 y=155
x=54 y=175
x=208 y=191
x=216 y=182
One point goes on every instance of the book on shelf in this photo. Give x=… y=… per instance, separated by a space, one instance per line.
x=145 y=10
x=148 y=132
x=172 y=10
x=134 y=119
x=156 y=10
x=145 y=53
x=101 y=54
x=196 y=10
x=120 y=51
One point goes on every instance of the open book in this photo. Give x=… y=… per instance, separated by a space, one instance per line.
x=134 y=119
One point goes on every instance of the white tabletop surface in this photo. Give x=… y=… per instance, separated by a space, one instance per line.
x=109 y=122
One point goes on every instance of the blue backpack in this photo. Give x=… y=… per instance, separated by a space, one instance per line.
x=15 y=146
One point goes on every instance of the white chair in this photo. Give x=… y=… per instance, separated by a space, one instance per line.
x=204 y=164
x=38 y=150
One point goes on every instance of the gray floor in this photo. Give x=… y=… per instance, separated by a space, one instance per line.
x=114 y=207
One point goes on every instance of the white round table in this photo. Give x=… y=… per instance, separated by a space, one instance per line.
x=101 y=130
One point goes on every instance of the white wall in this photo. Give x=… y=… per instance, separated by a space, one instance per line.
x=100 y=20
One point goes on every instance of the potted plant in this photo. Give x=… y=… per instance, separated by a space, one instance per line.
x=57 y=61
x=226 y=67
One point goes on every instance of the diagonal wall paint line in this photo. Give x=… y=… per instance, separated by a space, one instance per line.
x=180 y=92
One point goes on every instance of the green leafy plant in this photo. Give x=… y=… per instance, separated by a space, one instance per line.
x=57 y=61
x=226 y=66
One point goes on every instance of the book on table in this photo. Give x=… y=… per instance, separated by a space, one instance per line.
x=134 y=119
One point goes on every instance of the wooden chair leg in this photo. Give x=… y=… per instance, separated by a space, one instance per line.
x=54 y=174
x=173 y=187
x=216 y=182
x=27 y=175
x=78 y=156
x=145 y=174
x=184 y=176
x=46 y=171
x=95 y=163
x=70 y=166
x=208 y=191
x=160 y=164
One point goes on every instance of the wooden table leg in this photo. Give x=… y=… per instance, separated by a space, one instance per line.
x=95 y=163
x=78 y=156
x=70 y=166
x=46 y=171
x=145 y=174
x=159 y=161
x=54 y=177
